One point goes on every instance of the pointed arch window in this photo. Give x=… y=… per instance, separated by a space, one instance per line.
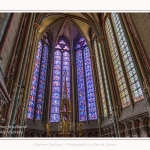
x=85 y=85
x=123 y=91
x=37 y=92
x=102 y=80
x=133 y=80
x=127 y=59
x=61 y=64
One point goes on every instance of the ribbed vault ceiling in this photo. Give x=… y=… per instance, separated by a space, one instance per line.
x=70 y=25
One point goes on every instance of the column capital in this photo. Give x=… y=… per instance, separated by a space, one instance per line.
x=36 y=25
x=101 y=38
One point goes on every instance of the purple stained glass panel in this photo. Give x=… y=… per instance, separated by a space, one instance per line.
x=42 y=82
x=84 y=69
x=61 y=64
x=33 y=91
x=56 y=87
x=66 y=68
x=81 y=86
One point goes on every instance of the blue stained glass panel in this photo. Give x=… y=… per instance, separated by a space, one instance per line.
x=58 y=46
x=81 y=86
x=61 y=64
x=66 y=68
x=30 y=112
x=55 y=117
x=81 y=39
x=83 y=65
x=56 y=88
x=62 y=42
x=87 y=71
x=65 y=47
x=42 y=82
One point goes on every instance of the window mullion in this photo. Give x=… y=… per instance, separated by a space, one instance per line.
x=49 y=79
x=83 y=57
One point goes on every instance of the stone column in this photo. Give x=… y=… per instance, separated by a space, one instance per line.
x=128 y=133
x=14 y=50
x=112 y=103
x=30 y=72
x=136 y=132
x=93 y=66
x=50 y=89
x=73 y=86
x=24 y=65
x=31 y=64
x=18 y=73
x=97 y=84
x=73 y=96
x=145 y=130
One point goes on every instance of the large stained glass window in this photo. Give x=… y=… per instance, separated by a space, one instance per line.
x=30 y=113
x=61 y=66
x=42 y=82
x=127 y=59
x=85 y=86
x=105 y=97
x=124 y=95
x=38 y=83
x=105 y=78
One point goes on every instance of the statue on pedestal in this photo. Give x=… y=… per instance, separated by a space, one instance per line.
x=79 y=128
x=48 y=129
x=65 y=125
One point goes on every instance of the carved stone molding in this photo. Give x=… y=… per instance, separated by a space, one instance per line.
x=128 y=133
x=145 y=130
x=146 y=88
x=34 y=133
x=113 y=135
x=91 y=56
x=101 y=38
x=2 y=109
x=136 y=132
x=36 y=25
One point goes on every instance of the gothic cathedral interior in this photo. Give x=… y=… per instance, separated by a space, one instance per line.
x=71 y=74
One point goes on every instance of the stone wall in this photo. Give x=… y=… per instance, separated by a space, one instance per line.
x=4 y=17
x=142 y=25
x=10 y=41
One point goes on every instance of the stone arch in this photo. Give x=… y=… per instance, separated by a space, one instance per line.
x=136 y=123
x=106 y=132
x=146 y=121
x=90 y=134
x=56 y=134
x=129 y=125
x=96 y=134
x=43 y=135
x=3 y=111
x=84 y=134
